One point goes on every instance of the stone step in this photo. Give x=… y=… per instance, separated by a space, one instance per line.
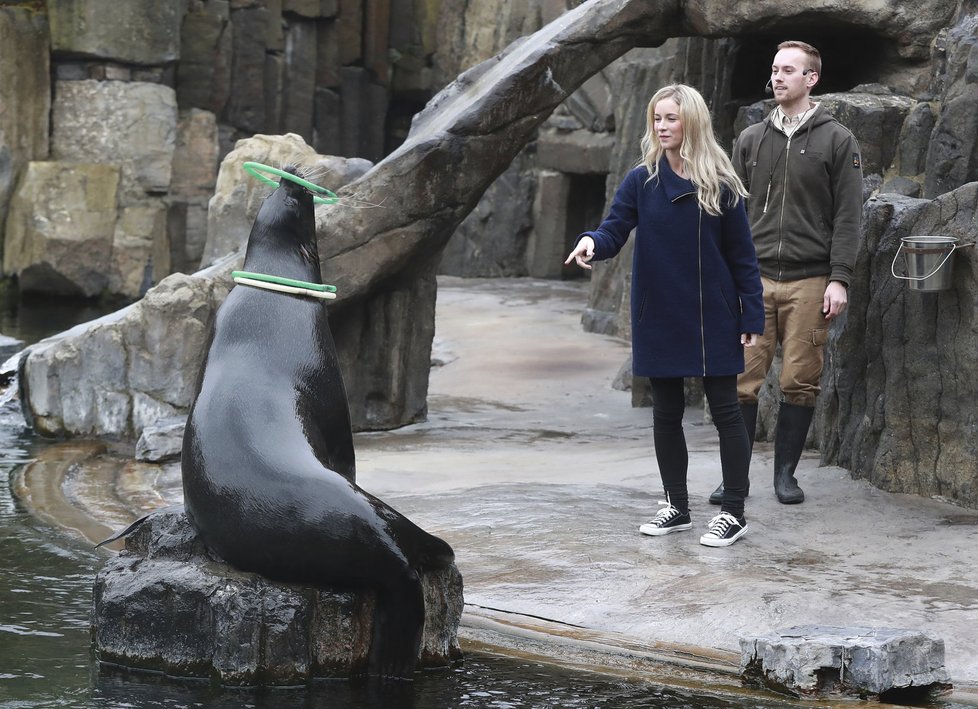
x=827 y=661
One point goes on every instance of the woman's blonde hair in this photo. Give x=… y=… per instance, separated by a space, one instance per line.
x=707 y=165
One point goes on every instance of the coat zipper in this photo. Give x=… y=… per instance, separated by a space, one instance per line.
x=784 y=191
x=699 y=255
x=699 y=258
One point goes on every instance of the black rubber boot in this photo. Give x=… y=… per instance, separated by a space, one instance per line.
x=749 y=412
x=789 y=442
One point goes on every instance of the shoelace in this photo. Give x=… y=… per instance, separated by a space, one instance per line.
x=721 y=523
x=663 y=516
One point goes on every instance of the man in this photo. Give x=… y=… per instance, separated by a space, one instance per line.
x=804 y=174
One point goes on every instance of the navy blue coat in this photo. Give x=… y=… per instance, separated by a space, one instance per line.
x=696 y=285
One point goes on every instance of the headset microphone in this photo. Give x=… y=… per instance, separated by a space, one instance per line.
x=767 y=88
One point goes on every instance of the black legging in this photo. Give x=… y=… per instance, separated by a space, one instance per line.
x=668 y=406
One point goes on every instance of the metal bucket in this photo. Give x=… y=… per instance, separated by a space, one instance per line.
x=928 y=261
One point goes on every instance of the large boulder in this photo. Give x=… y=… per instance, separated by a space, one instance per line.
x=68 y=234
x=60 y=228
x=166 y=605
x=899 y=391
x=127 y=123
x=120 y=373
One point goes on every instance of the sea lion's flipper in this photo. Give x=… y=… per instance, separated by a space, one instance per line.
x=398 y=627
x=128 y=530
x=435 y=553
x=123 y=533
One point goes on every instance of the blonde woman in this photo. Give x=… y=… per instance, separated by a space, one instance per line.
x=696 y=296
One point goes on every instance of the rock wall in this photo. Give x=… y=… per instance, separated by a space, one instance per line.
x=162 y=91
x=25 y=98
x=899 y=390
x=899 y=69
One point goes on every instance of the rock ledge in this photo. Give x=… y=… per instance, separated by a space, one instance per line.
x=166 y=605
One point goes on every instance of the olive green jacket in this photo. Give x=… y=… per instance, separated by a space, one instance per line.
x=806 y=197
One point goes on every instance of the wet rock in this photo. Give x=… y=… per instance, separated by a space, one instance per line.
x=824 y=661
x=117 y=374
x=162 y=441
x=164 y=604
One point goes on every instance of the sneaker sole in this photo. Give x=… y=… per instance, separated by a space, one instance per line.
x=713 y=542
x=651 y=531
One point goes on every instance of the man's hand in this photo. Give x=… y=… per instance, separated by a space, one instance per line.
x=835 y=300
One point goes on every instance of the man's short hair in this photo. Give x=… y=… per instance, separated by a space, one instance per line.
x=814 y=58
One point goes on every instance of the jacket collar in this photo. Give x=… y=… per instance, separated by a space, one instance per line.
x=674 y=185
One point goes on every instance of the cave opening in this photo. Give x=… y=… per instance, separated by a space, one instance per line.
x=851 y=56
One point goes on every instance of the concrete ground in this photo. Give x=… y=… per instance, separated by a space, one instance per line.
x=539 y=474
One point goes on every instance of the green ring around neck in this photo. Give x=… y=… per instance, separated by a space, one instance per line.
x=284 y=281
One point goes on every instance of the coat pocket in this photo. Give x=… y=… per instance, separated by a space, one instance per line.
x=641 y=307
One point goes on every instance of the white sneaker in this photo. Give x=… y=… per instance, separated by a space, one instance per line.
x=723 y=530
x=667 y=521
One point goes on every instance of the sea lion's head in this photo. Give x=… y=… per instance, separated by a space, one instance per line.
x=286 y=221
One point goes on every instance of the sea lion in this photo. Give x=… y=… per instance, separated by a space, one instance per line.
x=268 y=458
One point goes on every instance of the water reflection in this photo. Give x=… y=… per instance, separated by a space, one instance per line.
x=34 y=317
x=483 y=682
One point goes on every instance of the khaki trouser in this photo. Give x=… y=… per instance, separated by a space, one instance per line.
x=793 y=317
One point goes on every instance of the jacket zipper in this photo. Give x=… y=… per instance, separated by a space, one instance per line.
x=699 y=269
x=784 y=192
x=699 y=256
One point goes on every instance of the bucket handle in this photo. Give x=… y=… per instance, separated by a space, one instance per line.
x=923 y=278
